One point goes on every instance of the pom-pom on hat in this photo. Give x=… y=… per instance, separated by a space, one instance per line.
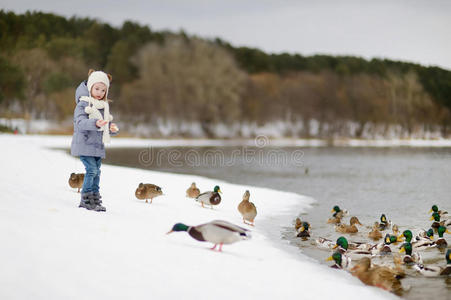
x=98 y=76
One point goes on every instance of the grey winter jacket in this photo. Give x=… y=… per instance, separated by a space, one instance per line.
x=87 y=140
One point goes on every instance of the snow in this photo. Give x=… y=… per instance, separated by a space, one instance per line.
x=51 y=249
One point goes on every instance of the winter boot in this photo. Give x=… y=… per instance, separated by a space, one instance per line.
x=87 y=201
x=97 y=202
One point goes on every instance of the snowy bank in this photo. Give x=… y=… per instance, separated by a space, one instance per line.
x=53 y=250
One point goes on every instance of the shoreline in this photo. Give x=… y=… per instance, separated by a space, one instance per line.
x=130 y=237
x=260 y=142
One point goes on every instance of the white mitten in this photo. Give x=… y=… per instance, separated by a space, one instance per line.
x=89 y=110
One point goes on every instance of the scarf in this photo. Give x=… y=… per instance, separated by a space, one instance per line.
x=93 y=111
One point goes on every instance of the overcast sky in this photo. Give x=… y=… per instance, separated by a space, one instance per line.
x=409 y=30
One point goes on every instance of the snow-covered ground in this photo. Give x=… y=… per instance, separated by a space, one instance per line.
x=51 y=249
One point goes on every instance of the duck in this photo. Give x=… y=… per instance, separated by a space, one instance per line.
x=211 y=198
x=443 y=214
x=411 y=257
x=407 y=234
x=424 y=240
x=423 y=234
x=338 y=213
x=434 y=271
x=218 y=232
x=384 y=224
x=304 y=231
x=382 y=248
x=441 y=242
x=76 y=181
x=325 y=243
x=334 y=220
x=395 y=229
x=247 y=209
x=352 y=228
x=147 y=191
x=354 y=251
x=375 y=233
x=379 y=276
x=341 y=261
x=192 y=191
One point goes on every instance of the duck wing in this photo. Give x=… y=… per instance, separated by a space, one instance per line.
x=224 y=232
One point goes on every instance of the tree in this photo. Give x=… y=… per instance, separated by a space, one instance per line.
x=191 y=80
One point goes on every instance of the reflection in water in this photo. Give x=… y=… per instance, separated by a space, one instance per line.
x=402 y=183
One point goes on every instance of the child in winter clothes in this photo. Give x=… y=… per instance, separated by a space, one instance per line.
x=92 y=130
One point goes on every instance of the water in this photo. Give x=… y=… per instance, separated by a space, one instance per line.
x=401 y=182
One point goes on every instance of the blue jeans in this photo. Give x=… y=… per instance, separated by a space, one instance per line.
x=92 y=175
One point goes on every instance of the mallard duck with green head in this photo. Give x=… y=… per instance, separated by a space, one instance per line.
x=217 y=232
x=424 y=240
x=382 y=248
x=337 y=215
x=410 y=257
x=341 y=261
x=210 y=198
x=434 y=271
x=343 y=246
x=443 y=214
x=441 y=242
x=384 y=223
x=304 y=231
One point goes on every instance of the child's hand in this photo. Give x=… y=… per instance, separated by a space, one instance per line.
x=101 y=123
x=113 y=127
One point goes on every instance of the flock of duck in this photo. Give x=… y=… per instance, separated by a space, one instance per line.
x=218 y=232
x=359 y=257
x=356 y=257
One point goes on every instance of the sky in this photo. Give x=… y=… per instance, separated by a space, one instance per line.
x=417 y=31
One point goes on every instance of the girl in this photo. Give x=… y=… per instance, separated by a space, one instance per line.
x=92 y=129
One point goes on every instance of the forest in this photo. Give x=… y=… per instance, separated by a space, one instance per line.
x=173 y=84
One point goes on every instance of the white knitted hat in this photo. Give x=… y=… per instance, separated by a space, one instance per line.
x=98 y=76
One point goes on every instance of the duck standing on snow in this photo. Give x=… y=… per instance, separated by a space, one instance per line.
x=192 y=191
x=217 y=232
x=148 y=191
x=433 y=271
x=76 y=181
x=247 y=209
x=211 y=198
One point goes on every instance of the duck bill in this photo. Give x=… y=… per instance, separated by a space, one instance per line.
x=219 y=191
x=399 y=238
x=329 y=258
x=301 y=229
x=430 y=210
x=332 y=211
x=431 y=219
x=402 y=250
x=335 y=246
x=170 y=231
